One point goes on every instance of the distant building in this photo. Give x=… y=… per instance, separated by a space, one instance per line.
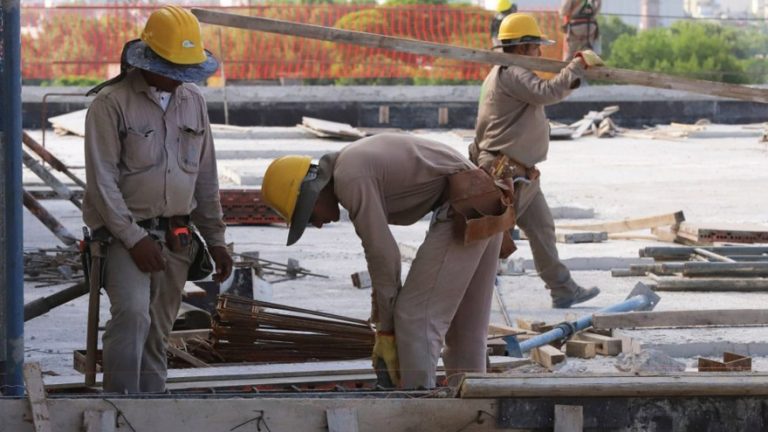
x=703 y=8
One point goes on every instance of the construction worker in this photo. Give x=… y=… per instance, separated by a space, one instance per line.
x=151 y=175
x=580 y=26
x=398 y=179
x=512 y=125
x=503 y=8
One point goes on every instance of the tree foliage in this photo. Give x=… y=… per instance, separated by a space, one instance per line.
x=694 y=49
x=611 y=27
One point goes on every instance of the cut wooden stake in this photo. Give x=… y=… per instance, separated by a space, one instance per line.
x=630 y=224
x=38 y=403
x=605 y=345
x=580 y=349
x=648 y=79
x=547 y=356
x=361 y=280
x=687 y=318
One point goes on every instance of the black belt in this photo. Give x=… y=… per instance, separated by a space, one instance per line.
x=163 y=223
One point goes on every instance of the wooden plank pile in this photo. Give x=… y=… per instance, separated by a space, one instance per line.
x=328 y=129
x=247 y=330
x=723 y=268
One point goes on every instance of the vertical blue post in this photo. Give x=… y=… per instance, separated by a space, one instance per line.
x=13 y=282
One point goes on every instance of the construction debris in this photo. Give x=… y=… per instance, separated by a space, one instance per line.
x=329 y=129
x=48 y=267
x=245 y=207
x=361 y=280
x=291 y=270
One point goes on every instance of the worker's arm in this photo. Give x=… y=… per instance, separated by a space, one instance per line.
x=102 y=156
x=525 y=85
x=207 y=215
x=364 y=200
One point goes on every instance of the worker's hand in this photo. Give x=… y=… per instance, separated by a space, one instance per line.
x=385 y=349
x=589 y=58
x=147 y=255
x=223 y=263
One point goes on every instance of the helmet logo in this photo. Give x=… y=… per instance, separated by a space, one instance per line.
x=187 y=43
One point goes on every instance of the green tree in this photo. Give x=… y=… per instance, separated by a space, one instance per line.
x=692 y=49
x=611 y=27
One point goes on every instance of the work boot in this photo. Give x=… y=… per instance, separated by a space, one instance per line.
x=580 y=296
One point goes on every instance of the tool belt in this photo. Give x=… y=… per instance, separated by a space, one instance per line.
x=479 y=210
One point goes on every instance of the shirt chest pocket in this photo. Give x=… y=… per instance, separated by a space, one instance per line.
x=190 y=148
x=140 y=151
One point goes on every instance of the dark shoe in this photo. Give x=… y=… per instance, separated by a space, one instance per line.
x=580 y=296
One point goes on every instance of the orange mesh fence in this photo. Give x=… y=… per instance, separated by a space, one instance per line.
x=83 y=41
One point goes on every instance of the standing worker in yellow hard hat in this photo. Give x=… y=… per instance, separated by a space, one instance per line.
x=512 y=129
x=580 y=26
x=503 y=8
x=397 y=179
x=152 y=184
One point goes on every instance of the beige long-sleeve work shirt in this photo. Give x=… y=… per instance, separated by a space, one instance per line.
x=143 y=162
x=511 y=117
x=391 y=179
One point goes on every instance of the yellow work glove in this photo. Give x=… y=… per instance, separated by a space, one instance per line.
x=385 y=350
x=590 y=58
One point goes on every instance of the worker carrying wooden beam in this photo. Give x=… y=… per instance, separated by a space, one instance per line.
x=512 y=125
x=398 y=179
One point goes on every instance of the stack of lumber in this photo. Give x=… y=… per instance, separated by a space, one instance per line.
x=254 y=331
x=623 y=229
x=724 y=268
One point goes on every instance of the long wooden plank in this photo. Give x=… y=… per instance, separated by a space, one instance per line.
x=685 y=318
x=33 y=378
x=710 y=284
x=648 y=79
x=630 y=224
x=724 y=384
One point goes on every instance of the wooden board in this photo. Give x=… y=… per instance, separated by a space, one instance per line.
x=590 y=385
x=685 y=318
x=99 y=420
x=649 y=79
x=630 y=224
x=569 y=418
x=33 y=378
x=342 y=419
x=710 y=284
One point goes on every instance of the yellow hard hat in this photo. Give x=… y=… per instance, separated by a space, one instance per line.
x=173 y=33
x=521 y=28
x=503 y=5
x=282 y=182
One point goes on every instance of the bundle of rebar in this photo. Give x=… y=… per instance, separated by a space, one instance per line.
x=246 y=330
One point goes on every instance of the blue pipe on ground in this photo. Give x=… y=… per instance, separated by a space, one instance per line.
x=641 y=298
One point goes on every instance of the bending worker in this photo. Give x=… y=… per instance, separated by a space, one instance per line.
x=580 y=26
x=512 y=125
x=398 y=179
x=151 y=174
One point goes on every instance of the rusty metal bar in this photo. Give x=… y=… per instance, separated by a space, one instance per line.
x=48 y=220
x=49 y=158
x=60 y=188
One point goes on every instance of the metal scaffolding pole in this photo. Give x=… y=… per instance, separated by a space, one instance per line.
x=12 y=263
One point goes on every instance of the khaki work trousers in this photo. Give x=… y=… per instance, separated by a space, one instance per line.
x=535 y=218
x=143 y=308
x=446 y=298
x=581 y=37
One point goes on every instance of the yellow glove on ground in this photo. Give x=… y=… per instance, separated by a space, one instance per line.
x=590 y=58
x=385 y=348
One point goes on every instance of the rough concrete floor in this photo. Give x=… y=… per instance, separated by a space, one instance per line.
x=717 y=176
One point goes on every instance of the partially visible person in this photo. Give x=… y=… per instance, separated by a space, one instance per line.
x=512 y=129
x=151 y=183
x=580 y=26
x=503 y=8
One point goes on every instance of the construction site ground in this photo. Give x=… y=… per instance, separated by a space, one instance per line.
x=718 y=175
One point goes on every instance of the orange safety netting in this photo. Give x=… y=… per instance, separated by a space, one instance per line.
x=86 y=42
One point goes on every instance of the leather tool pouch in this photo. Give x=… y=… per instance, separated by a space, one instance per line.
x=202 y=264
x=479 y=210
